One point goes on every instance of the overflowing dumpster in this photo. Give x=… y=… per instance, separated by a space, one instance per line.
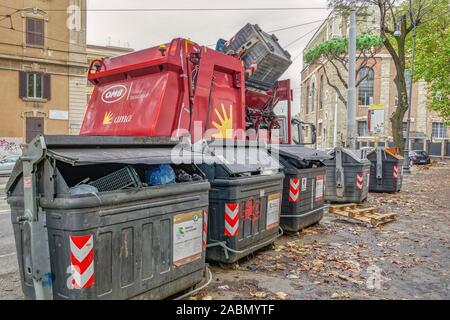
x=347 y=178
x=244 y=203
x=304 y=186
x=386 y=171
x=88 y=225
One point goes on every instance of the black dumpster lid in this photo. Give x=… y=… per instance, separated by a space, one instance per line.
x=387 y=152
x=79 y=151
x=88 y=156
x=107 y=141
x=352 y=154
x=239 y=159
x=300 y=153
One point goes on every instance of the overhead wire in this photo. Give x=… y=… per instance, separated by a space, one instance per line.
x=172 y=9
x=191 y=9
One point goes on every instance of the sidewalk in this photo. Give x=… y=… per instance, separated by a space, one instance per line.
x=406 y=259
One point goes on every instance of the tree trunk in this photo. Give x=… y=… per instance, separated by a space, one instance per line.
x=400 y=83
x=399 y=114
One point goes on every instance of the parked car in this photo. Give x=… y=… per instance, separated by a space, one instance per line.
x=7 y=165
x=419 y=157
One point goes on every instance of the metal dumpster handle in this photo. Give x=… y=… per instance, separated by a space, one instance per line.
x=380 y=165
x=36 y=219
x=340 y=182
x=227 y=249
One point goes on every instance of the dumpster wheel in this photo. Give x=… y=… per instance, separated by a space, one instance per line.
x=208 y=282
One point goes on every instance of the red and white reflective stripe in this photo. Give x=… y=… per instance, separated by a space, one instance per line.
x=251 y=70
x=359 y=181
x=82 y=261
x=395 y=172
x=231 y=219
x=294 y=190
x=205 y=229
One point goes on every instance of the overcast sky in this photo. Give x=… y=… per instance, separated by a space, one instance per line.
x=142 y=29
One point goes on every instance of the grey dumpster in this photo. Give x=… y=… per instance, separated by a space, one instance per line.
x=72 y=242
x=347 y=178
x=386 y=171
x=244 y=204
x=304 y=186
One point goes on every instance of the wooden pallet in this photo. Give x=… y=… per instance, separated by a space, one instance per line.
x=367 y=215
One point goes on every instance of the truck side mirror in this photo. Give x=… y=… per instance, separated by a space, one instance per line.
x=303 y=133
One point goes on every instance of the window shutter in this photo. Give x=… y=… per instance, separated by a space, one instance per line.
x=39 y=29
x=35 y=29
x=30 y=31
x=47 y=86
x=22 y=84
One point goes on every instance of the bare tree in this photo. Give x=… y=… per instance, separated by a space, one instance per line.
x=394 y=16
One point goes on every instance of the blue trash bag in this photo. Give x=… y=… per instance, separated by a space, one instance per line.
x=220 y=44
x=160 y=175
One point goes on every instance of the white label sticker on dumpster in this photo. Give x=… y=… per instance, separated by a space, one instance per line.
x=187 y=238
x=273 y=211
x=27 y=182
x=319 y=188
x=304 y=183
x=368 y=179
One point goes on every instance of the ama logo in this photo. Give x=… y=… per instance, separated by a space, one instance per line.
x=114 y=93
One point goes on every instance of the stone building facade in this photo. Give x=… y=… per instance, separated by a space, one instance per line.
x=376 y=96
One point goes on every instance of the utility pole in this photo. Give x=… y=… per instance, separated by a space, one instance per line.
x=406 y=166
x=351 y=95
x=335 y=133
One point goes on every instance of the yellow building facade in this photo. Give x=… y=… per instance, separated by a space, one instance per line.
x=43 y=66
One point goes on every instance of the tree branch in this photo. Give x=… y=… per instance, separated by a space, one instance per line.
x=336 y=88
x=338 y=72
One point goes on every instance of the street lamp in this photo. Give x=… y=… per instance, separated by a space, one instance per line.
x=397 y=32
x=406 y=164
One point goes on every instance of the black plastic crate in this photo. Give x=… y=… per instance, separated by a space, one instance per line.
x=260 y=48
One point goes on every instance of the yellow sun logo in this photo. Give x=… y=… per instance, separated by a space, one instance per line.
x=225 y=127
x=108 y=118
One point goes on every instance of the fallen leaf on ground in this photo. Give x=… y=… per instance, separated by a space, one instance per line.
x=340 y=295
x=225 y=287
x=281 y=295
x=259 y=295
x=349 y=279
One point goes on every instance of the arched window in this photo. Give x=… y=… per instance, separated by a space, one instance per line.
x=365 y=96
x=312 y=97
x=307 y=101
x=321 y=93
